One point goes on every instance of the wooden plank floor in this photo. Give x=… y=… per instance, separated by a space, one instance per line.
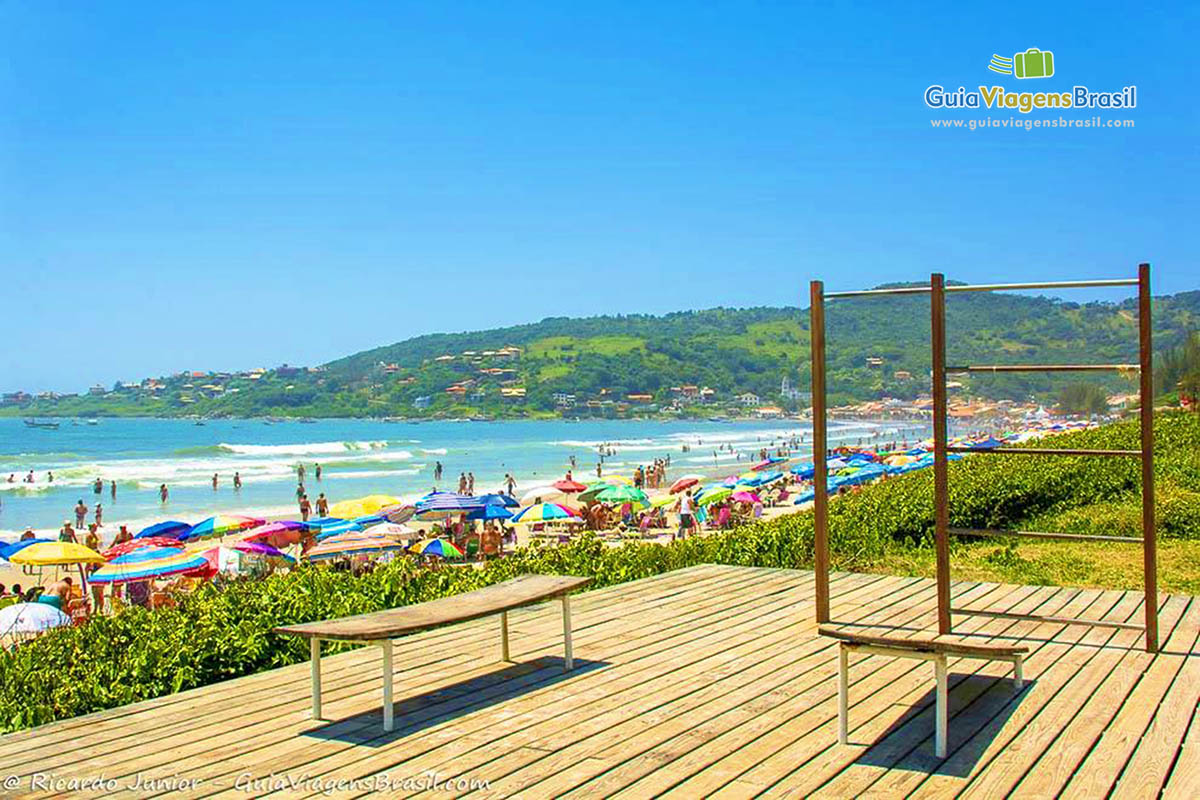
x=703 y=682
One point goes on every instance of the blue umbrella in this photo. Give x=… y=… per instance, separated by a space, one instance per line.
x=171 y=529
x=445 y=504
x=337 y=528
x=491 y=511
x=499 y=500
x=804 y=470
x=7 y=550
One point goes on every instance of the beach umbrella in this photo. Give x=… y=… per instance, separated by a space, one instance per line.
x=804 y=470
x=496 y=499
x=389 y=529
x=836 y=463
x=221 y=525
x=767 y=464
x=622 y=494
x=276 y=534
x=539 y=493
x=363 y=506
x=490 y=512
x=135 y=544
x=569 y=486
x=440 y=505
x=544 y=512
x=353 y=544
x=48 y=553
x=436 y=547
x=805 y=497
x=148 y=563
x=686 y=482
x=170 y=529
x=769 y=477
x=398 y=513
x=715 y=495
x=337 y=529
x=745 y=497
x=663 y=500
x=8 y=549
x=31 y=618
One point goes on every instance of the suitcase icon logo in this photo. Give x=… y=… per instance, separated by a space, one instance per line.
x=1033 y=63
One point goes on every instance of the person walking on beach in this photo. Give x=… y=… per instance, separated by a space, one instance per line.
x=80 y=513
x=305 y=508
x=462 y=483
x=322 y=505
x=237 y=481
x=317 y=470
x=214 y=481
x=685 y=514
x=163 y=493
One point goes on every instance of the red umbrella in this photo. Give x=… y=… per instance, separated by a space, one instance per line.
x=134 y=544
x=683 y=483
x=569 y=486
x=276 y=534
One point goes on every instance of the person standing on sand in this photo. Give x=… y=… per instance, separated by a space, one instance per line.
x=305 y=508
x=237 y=481
x=470 y=483
x=462 y=483
x=685 y=514
x=322 y=505
x=163 y=493
x=80 y=513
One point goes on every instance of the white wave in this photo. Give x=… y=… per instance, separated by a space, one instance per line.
x=302 y=448
x=434 y=451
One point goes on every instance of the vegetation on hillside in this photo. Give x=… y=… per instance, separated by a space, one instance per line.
x=216 y=634
x=876 y=347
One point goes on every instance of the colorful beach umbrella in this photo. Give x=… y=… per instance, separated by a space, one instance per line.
x=540 y=493
x=170 y=529
x=490 y=512
x=544 y=512
x=663 y=500
x=48 y=553
x=276 y=534
x=337 y=528
x=135 y=544
x=353 y=544
x=263 y=551
x=436 y=547
x=441 y=505
x=745 y=497
x=363 y=506
x=31 y=618
x=569 y=486
x=221 y=525
x=623 y=494
x=148 y=563
x=715 y=495
x=497 y=499
x=390 y=529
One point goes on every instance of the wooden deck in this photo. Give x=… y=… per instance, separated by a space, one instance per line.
x=708 y=681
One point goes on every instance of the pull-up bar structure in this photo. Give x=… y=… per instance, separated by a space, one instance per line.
x=937 y=291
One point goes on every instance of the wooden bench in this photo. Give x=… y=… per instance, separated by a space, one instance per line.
x=381 y=627
x=935 y=650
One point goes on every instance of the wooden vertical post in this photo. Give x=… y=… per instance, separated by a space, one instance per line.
x=568 y=650
x=1149 y=535
x=388 y=721
x=504 y=636
x=820 y=446
x=314 y=652
x=941 y=493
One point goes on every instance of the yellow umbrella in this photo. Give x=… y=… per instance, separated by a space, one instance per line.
x=49 y=553
x=665 y=500
x=362 y=506
x=617 y=480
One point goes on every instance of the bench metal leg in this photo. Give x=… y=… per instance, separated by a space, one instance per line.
x=843 y=694
x=504 y=636
x=566 y=615
x=1018 y=672
x=388 y=724
x=939 y=734
x=314 y=651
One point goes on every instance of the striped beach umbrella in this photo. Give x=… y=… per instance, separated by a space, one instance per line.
x=276 y=534
x=436 y=547
x=686 y=482
x=221 y=525
x=170 y=529
x=148 y=563
x=390 y=529
x=337 y=528
x=353 y=544
x=440 y=505
x=136 y=544
x=544 y=512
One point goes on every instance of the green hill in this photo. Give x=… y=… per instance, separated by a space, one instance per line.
x=731 y=351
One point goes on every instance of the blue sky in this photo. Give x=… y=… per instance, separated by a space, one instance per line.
x=204 y=185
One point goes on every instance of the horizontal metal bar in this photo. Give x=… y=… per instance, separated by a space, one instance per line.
x=1076 y=537
x=1008 y=287
x=1096 y=623
x=1044 y=368
x=1042 y=451
x=874 y=292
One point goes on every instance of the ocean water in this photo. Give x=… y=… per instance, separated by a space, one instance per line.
x=358 y=457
